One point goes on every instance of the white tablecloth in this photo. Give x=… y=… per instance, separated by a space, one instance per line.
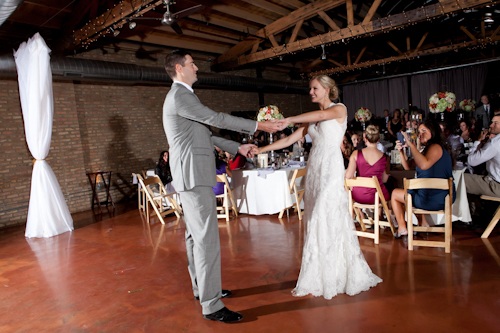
x=257 y=195
x=460 y=208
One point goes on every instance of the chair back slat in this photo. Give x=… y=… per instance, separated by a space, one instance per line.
x=361 y=182
x=428 y=183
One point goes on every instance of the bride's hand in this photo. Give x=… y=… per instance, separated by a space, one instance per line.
x=283 y=123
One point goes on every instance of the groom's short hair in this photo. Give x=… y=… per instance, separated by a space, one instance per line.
x=173 y=58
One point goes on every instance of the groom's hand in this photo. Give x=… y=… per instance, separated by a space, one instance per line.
x=247 y=150
x=269 y=126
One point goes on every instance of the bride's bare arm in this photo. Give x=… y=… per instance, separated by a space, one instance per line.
x=288 y=141
x=335 y=112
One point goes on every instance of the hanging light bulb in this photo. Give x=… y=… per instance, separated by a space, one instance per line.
x=132 y=25
x=323 y=55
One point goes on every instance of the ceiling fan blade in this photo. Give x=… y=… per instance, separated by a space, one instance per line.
x=145 y=18
x=188 y=11
x=176 y=28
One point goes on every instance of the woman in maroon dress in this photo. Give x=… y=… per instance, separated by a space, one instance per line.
x=368 y=162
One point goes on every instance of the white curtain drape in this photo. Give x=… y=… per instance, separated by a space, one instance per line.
x=48 y=214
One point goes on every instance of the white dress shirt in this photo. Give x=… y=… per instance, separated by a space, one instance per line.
x=490 y=153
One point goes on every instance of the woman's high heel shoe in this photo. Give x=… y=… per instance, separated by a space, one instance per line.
x=399 y=235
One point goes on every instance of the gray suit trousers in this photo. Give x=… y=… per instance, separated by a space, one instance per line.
x=203 y=246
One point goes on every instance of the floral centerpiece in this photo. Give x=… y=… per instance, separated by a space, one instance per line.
x=269 y=112
x=467 y=105
x=363 y=114
x=442 y=101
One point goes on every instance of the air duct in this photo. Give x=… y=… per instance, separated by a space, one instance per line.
x=96 y=70
x=7 y=7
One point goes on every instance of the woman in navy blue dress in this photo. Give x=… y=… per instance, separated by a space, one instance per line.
x=435 y=161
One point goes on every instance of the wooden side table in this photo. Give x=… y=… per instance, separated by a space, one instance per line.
x=95 y=178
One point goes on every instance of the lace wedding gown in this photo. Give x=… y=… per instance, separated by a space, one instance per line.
x=332 y=261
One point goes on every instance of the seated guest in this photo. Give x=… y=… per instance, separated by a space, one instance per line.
x=357 y=140
x=163 y=168
x=368 y=162
x=347 y=148
x=236 y=162
x=435 y=161
x=220 y=168
x=395 y=125
x=466 y=132
x=489 y=154
x=298 y=147
x=455 y=141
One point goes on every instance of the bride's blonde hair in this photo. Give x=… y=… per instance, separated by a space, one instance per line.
x=328 y=83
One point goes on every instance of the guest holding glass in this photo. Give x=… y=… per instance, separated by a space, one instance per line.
x=369 y=162
x=435 y=161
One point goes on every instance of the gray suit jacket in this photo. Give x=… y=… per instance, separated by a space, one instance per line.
x=191 y=143
x=480 y=111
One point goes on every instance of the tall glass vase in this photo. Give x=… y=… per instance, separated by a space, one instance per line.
x=364 y=125
x=272 y=158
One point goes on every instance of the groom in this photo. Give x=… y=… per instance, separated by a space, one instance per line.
x=193 y=171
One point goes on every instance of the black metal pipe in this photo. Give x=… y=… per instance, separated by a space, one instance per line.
x=97 y=70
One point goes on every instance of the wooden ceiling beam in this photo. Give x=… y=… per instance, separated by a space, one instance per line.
x=335 y=62
x=350 y=13
x=296 y=4
x=242 y=14
x=405 y=56
x=269 y=6
x=328 y=20
x=380 y=25
x=467 y=32
x=394 y=47
x=360 y=55
x=421 y=41
x=303 y=13
x=99 y=25
x=295 y=31
x=179 y=41
x=312 y=64
x=408 y=45
x=372 y=11
x=223 y=21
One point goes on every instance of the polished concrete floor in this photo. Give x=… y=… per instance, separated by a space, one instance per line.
x=123 y=275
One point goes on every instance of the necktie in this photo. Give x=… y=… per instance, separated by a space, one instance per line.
x=487 y=107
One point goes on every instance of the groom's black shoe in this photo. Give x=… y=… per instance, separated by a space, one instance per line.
x=224 y=293
x=224 y=315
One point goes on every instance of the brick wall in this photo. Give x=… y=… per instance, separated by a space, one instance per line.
x=100 y=126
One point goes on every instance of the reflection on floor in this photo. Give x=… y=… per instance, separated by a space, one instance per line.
x=123 y=275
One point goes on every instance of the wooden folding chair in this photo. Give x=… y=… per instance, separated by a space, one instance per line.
x=298 y=192
x=156 y=200
x=495 y=218
x=379 y=202
x=227 y=197
x=141 y=193
x=429 y=183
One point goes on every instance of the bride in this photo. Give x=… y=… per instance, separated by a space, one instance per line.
x=332 y=261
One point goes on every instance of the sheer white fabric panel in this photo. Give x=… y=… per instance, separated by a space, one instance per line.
x=376 y=95
x=48 y=213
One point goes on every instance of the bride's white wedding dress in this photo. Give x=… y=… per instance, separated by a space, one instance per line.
x=332 y=261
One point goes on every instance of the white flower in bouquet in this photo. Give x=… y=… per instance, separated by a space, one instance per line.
x=269 y=112
x=442 y=101
x=363 y=114
x=468 y=105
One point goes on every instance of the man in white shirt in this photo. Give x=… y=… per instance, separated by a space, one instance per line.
x=489 y=154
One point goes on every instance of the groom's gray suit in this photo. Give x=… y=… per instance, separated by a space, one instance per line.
x=193 y=171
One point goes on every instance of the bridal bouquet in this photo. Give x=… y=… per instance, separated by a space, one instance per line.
x=442 y=101
x=269 y=112
x=363 y=114
x=468 y=105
